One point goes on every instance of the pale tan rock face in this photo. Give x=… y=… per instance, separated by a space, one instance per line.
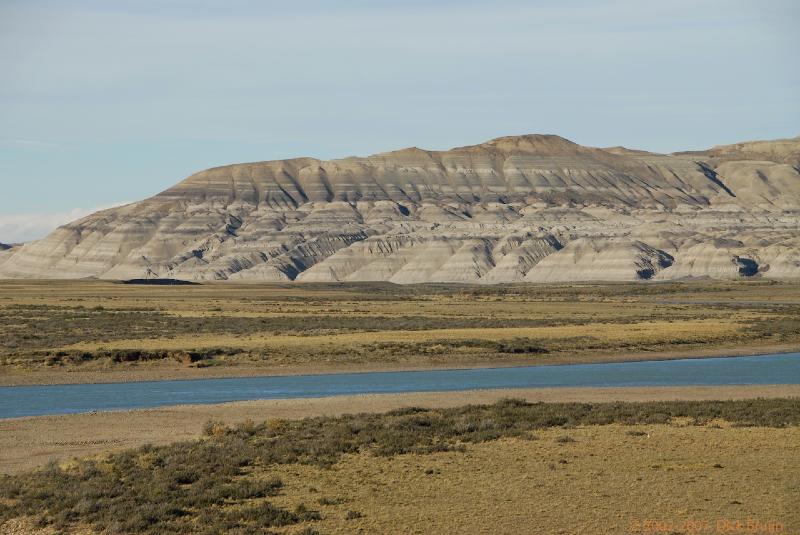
x=516 y=254
x=515 y=209
x=780 y=151
x=5 y=252
x=605 y=259
x=762 y=183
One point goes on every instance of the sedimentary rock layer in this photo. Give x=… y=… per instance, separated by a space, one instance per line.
x=531 y=208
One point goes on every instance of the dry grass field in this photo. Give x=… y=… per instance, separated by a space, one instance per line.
x=604 y=479
x=649 y=461
x=102 y=331
x=31 y=442
x=510 y=467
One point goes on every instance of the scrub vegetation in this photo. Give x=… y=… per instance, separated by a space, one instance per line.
x=231 y=481
x=93 y=325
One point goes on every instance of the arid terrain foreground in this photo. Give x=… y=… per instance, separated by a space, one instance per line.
x=508 y=467
x=576 y=460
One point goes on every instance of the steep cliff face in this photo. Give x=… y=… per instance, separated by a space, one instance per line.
x=528 y=208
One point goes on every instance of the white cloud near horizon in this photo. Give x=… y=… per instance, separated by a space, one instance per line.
x=21 y=228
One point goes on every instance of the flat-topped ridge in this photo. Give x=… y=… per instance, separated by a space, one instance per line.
x=530 y=208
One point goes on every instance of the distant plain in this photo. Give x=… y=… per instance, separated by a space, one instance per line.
x=92 y=331
x=311 y=466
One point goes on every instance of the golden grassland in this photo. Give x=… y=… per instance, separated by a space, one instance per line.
x=611 y=479
x=29 y=442
x=666 y=467
x=307 y=326
x=68 y=331
x=651 y=332
x=510 y=467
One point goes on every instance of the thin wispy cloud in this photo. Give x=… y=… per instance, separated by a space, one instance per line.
x=20 y=228
x=27 y=143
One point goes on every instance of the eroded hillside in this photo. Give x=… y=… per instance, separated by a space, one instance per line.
x=529 y=208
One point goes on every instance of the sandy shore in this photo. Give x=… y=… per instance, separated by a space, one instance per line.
x=30 y=442
x=173 y=371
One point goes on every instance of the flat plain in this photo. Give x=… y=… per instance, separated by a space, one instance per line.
x=92 y=331
x=574 y=461
x=508 y=467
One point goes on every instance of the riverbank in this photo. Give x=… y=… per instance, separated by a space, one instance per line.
x=33 y=441
x=505 y=467
x=166 y=371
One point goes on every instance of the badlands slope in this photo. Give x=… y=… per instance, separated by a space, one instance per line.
x=535 y=208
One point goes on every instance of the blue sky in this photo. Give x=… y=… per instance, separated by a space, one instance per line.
x=104 y=102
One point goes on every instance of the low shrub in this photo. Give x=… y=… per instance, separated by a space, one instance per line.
x=175 y=488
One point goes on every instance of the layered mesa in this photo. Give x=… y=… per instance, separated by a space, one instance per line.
x=534 y=208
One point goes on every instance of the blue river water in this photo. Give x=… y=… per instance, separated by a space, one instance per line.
x=16 y=401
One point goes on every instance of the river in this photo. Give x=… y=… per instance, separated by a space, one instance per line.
x=17 y=401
